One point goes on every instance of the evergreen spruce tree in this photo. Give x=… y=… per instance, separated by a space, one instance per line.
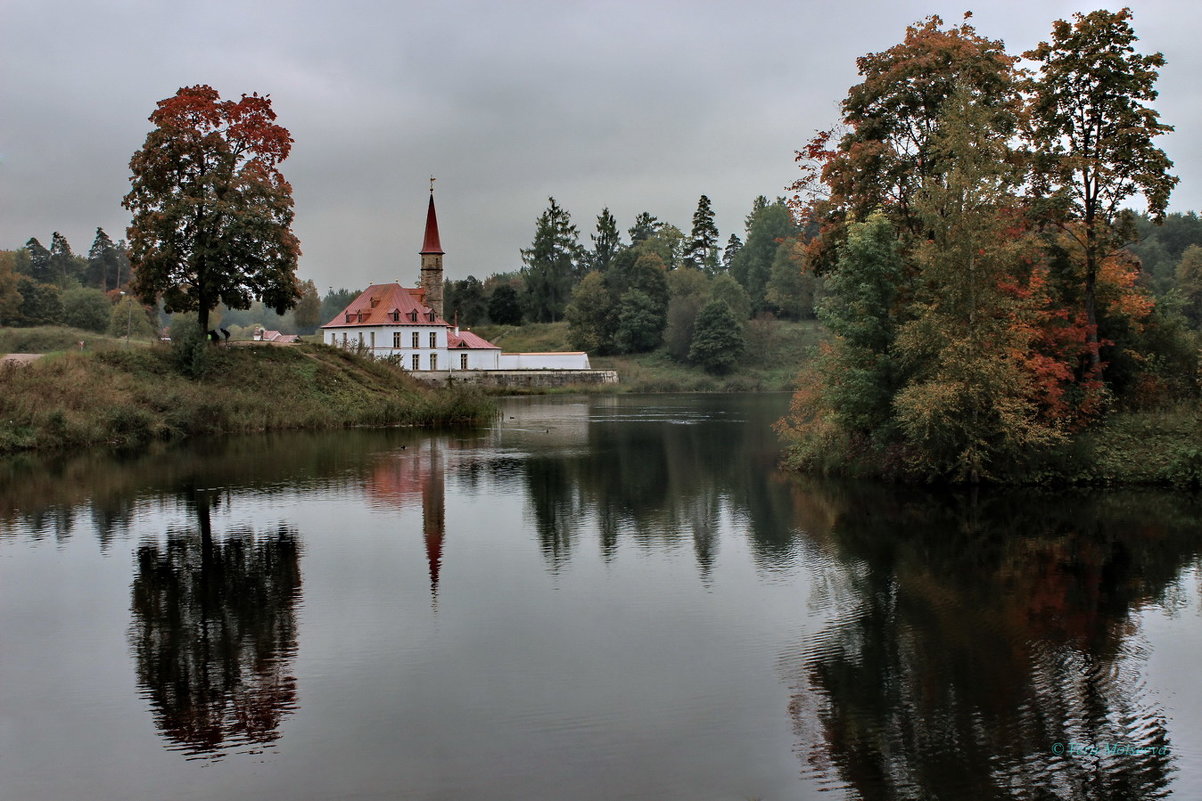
x=701 y=251
x=62 y=260
x=644 y=226
x=104 y=262
x=767 y=226
x=552 y=261
x=39 y=260
x=733 y=246
x=606 y=242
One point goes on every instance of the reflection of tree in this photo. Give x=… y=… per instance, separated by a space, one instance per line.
x=38 y=493
x=971 y=635
x=552 y=496
x=667 y=477
x=214 y=633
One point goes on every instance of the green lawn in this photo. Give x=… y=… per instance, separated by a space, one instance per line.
x=775 y=351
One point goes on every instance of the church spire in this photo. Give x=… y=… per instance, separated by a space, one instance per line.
x=431 y=253
x=431 y=244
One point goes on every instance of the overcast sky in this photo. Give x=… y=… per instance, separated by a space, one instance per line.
x=638 y=106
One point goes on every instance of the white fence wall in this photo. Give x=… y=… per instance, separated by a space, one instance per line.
x=544 y=361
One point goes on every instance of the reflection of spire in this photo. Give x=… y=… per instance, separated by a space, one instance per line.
x=434 y=518
x=410 y=474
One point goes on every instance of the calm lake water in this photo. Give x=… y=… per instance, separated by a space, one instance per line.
x=603 y=598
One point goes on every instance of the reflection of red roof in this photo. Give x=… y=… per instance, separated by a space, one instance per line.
x=466 y=339
x=387 y=304
x=398 y=480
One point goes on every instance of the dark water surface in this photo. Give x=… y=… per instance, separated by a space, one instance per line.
x=603 y=598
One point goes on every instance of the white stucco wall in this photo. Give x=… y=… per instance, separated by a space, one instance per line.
x=381 y=346
x=544 y=361
x=481 y=359
x=381 y=340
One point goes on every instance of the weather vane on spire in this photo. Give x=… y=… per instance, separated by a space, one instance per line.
x=432 y=180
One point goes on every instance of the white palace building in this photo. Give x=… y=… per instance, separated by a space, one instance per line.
x=390 y=320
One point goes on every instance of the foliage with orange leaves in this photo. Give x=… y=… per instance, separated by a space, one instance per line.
x=212 y=214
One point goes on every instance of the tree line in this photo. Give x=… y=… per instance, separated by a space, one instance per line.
x=56 y=286
x=972 y=223
x=654 y=285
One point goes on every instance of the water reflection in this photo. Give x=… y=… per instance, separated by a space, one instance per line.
x=411 y=474
x=950 y=641
x=660 y=472
x=976 y=640
x=214 y=632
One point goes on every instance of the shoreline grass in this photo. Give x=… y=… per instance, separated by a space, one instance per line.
x=125 y=398
x=1152 y=447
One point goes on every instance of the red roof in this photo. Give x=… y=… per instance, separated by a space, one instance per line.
x=276 y=336
x=431 y=243
x=466 y=339
x=387 y=304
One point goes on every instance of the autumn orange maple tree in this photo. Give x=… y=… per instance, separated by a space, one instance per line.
x=212 y=214
x=974 y=297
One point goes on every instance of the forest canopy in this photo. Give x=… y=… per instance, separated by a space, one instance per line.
x=971 y=211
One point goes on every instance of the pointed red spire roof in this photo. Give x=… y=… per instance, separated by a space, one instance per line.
x=431 y=243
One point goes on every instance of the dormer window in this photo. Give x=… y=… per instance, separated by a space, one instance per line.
x=431 y=316
x=349 y=316
x=395 y=315
x=413 y=316
x=375 y=302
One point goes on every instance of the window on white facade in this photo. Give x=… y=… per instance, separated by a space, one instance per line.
x=360 y=339
x=416 y=341
x=416 y=365
x=433 y=339
x=396 y=339
x=373 y=340
x=433 y=361
x=462 y=361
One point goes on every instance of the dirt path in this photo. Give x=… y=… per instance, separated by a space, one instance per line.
x=20 y=358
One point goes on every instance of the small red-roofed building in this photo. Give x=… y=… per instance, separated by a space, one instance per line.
x=472 y=352
x=274 y=337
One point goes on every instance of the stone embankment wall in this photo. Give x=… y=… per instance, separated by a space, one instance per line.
x=517 y=379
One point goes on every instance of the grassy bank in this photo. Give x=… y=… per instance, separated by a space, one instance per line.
x=124 y=398
x=51 y=338
x=773 y=356
x=1161 y=447
x=1147 y=447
